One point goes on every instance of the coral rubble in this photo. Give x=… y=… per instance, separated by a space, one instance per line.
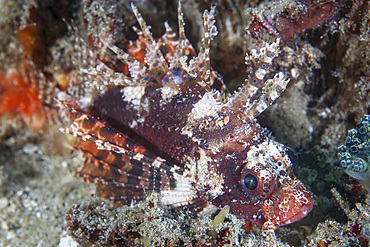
x=353 y=233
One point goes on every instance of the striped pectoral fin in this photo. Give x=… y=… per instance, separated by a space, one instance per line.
x=117 y=160
x=90 y=129
x=113 y=183
x=122 y=169
x=129 y=172
x=122 y=194
x=107 y=144
x=120 y=177
x=130 y=179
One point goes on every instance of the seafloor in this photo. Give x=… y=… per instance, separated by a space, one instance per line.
x=324 y=50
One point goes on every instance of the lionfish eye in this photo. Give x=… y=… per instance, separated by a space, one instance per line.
x=256 y=181
x=250 y=182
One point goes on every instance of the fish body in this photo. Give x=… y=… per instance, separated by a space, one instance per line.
x=173 y=129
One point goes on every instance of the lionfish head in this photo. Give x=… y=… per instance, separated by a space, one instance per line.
x=267 y=177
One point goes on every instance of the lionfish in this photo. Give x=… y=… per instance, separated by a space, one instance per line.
x=172 y=128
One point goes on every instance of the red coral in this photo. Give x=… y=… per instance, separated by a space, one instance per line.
x=19 y=94
x=316 y=13
x=292 y=20
x=32 y=38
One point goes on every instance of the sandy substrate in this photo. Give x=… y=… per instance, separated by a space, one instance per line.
x=37 y=188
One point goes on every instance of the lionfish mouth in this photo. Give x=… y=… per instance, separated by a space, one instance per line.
x=295 y=214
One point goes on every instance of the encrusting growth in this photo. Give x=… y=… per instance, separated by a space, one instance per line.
x=354 y=156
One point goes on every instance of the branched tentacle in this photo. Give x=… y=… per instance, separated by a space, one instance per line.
x=154 y=58
x=182 y=38
x=135 y=67
x=210 y=31
x=258 y=93
x=146 y=29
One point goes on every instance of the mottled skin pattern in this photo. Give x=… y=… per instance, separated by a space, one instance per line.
x=172 y=128
x=159 y=131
